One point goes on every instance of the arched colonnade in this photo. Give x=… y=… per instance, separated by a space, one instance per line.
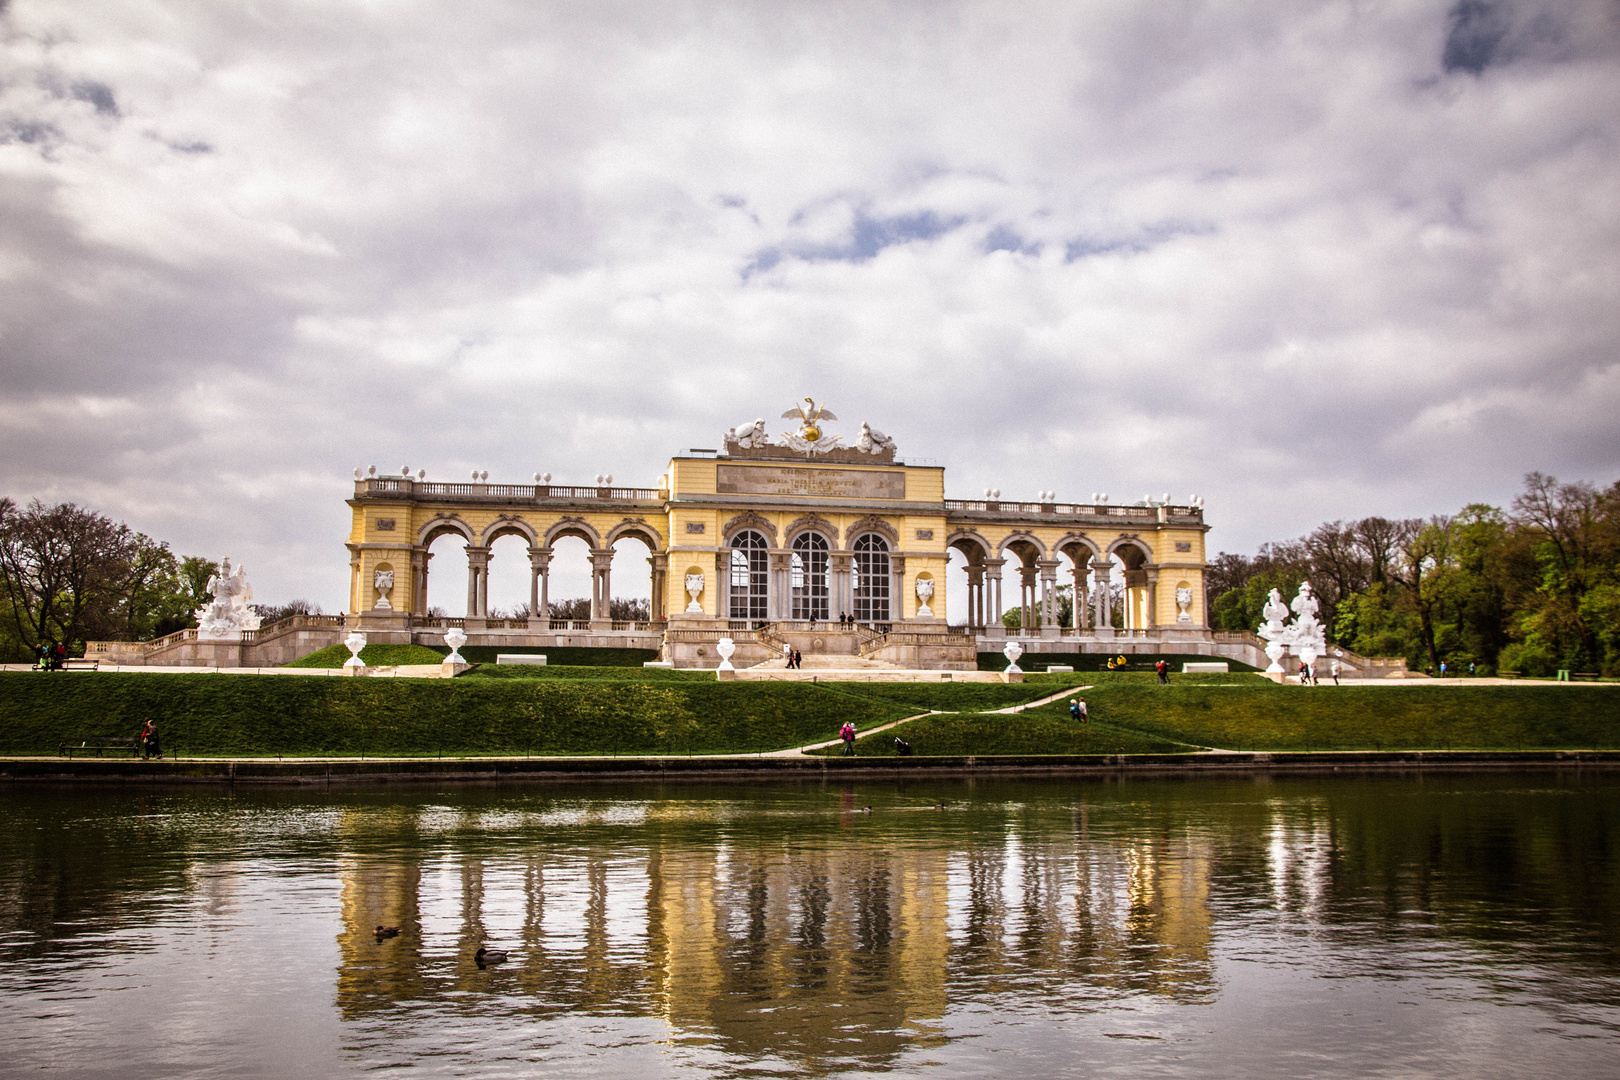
x=1021 y=558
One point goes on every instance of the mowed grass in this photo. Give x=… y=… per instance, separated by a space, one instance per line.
x=1264 y=716
x=1024 y=734
x=269 y=715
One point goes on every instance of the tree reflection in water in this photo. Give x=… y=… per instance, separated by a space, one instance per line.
x=755 y=927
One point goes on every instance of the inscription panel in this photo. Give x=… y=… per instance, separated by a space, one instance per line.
x=823 y=483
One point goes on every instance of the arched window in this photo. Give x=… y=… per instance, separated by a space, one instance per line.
x=810 y=576
x=750 y=570
x=872 y=579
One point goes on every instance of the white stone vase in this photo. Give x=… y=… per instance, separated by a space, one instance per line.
x=694 y=588
x=455 y=637
x=1276 y=650
x=1012 y=651
x=355 y=641
x=925 y=593
x=383 y=582
x=725 y=648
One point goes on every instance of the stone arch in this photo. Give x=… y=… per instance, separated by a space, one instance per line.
x=810 y=523
x=442 y=525
x=748 y=520
x=1078 y=548
x=638 y=529
x=871 y=523
x=1132 y=551
x=1022 y=542
x=573 y=526
x=970 y=544
x=509 y=525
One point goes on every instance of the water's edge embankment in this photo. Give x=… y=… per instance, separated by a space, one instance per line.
x=404 y=770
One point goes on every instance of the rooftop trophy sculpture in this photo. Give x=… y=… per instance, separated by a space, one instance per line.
x=810 y=439
x=227 y=613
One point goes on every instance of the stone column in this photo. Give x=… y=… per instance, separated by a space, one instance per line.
x=1105 y=623
x=1152 y=599
x=992 y=574
x=779 y=586
x=975 y=602
x=539 y=571
x=1026 y=599
x=897 y=587
x=658 y=606
x=477 y=565
x=1048 y=574
x=602 y=588
x=1082 y=609
x=842 y=594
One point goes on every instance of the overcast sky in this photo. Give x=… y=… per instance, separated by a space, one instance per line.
x=1308 y=260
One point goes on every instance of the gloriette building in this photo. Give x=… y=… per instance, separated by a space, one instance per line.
x=771 y=540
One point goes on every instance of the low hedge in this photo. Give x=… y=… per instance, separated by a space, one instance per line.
x=335 y=656
x=207 y=714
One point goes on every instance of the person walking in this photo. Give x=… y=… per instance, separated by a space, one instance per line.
x=1335 y=669
x=798 y=660
x=150 y=747
x=847 y=733
x=1162 y=668
x=1078 y=709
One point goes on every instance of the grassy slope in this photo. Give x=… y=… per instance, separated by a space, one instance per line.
x=270 y=714
x=1034 y=732
x=1263 y=716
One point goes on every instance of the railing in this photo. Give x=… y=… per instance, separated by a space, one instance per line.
x=291 y=623
x=401 y=487
x=435 y=622
x=1106 y=510
x=570 y=624
x=711 y=636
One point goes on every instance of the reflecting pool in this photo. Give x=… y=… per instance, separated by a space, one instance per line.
x=1438 y=925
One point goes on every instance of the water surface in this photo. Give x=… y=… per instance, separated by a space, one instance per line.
x=1435 y=926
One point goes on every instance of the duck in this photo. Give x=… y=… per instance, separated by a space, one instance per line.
x=387 y=932
x=490 y=956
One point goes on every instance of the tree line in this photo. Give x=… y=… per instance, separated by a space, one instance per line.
x=1531 y=589
x=71 y=575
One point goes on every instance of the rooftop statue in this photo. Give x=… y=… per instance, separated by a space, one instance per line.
x=872 y=441
x=810 y=439
x=227 y=613
x=748 y=436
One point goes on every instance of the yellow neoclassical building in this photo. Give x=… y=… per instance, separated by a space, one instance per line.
x=836 y=547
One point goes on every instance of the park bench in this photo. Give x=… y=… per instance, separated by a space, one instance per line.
x=80 y=664
x=98 y=744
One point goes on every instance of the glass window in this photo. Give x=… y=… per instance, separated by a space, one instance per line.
x=872 y=579
x=750 y=571
x=811 y=599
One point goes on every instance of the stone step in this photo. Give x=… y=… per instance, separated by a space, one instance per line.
x=818 y=662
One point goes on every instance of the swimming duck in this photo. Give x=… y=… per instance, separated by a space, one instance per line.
x=490 y=956
x=387 y=932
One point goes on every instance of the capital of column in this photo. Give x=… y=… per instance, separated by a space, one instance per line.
x=540 y=557
x=477 y=557
x=602 y=558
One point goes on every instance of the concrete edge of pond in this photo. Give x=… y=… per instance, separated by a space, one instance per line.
x=395 y=770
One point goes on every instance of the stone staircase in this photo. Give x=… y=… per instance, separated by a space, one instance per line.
x=823 y=662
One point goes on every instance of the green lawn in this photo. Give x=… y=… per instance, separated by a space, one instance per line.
x=1030 y=733
x=335 y=656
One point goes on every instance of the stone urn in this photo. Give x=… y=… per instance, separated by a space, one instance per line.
x=1307 y=655
x=1012 y=651
x=694 y=588
x=725 y=648
x=455 y=637
x=1276 y=650
x=355 y=641
x=925 y=593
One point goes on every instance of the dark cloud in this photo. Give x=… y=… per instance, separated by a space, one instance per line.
x=1474 y=34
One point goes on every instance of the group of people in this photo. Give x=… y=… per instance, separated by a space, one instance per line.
x=150 y=747
x=1307 y=674
x=794 y=658
x=1116 y=664
x=49 y=657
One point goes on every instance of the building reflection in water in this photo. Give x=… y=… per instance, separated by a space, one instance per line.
x=818 y=946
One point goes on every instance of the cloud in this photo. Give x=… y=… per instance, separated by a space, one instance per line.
x=1337 y=261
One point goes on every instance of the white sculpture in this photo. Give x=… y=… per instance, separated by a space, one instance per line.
x=725 y=647
x=1012 y=651
x=383 y=582
x=355 y=641
x=810 y=439
x=1274 y=632
x=1183 y=602
x=925 y=593
x=749 y=436
x=694 y=588
x=1310 y=639
x=227 y=613
x=455 y=637
x=871 y=441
